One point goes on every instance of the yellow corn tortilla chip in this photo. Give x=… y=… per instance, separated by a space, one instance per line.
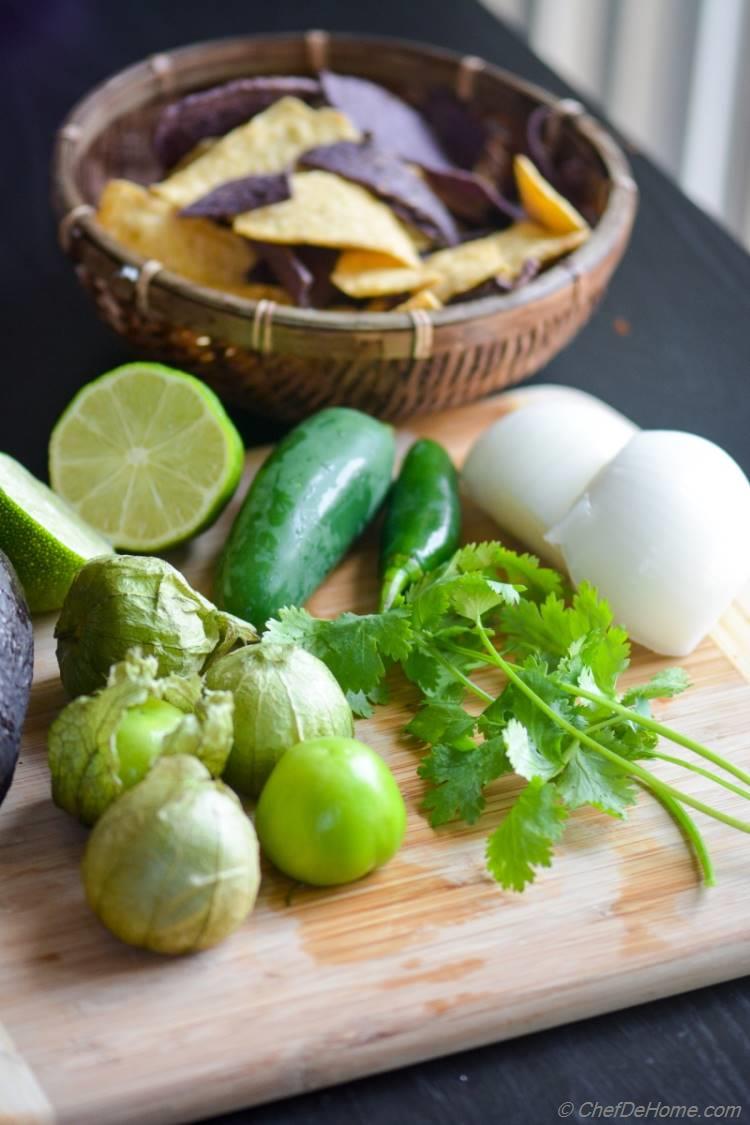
x=420 y=241
x=198 y=249
x=362 y=273
x=269 y=142
x=497 y=255
x=326 y=210
x=198 y=150
x=542 y=202
x=425 y=299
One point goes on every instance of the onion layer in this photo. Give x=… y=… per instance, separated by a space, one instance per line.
x=664 y=533
x=529 y=467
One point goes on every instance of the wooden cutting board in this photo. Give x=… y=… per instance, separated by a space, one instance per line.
x=425 y=957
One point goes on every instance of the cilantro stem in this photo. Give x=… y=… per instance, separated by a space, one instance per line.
x=699 y=769
x=468 y=683
x=635 y=717
x=631 y=768
x=658 y=728
x=690 y=830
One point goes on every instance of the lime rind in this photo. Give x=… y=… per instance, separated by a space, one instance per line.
x=147 y=455
x=45 y=539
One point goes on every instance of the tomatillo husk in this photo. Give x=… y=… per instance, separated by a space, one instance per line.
x=282 y=695
x=85 y=760
x=173 y=866
x=118 y=602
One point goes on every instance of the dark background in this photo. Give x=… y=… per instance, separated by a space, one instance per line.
x=669 y=347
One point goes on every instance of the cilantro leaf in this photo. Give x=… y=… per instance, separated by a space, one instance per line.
x=468 y=595
x=525 y=570
x=354 y=648
x=431 y=677
x=552 y=626
x=596 y=660
x=543 y=731
x=525 y=756
x=578 y=635
x=525 y=838
x=590 y=779
x=471 y=595
x=363 y=704
x=664 y=685
x=441 y=721
x=459 y=778
x=628 y=740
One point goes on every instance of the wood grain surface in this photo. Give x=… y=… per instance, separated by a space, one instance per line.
x=425 y=957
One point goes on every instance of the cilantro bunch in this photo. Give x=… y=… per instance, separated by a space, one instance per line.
x=557 y=720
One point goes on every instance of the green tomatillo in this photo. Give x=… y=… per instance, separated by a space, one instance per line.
x=330 y=812
x=102 y=744
x=172 y=866
x=119 y=602
x=282 y=695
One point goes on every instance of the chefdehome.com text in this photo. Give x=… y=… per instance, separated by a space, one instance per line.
x=648 y=1111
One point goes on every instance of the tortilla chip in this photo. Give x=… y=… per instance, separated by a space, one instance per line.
x=213 y=112
x=327 y=211
x=360 y=273
x=388 y=177
x=197 y=249
x=199 y=149
x=393 y=123
x=319 y=260
x=542 y=203
x=502 y=255
x=236 y=196
x=425 y=299
x=470 y=196
x=304 y=272
x=459 y=128
x=420 y=241
x=270 y=142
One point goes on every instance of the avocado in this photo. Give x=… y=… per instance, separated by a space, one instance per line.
x=16 y=669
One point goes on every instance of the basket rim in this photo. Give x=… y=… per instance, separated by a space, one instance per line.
x=614 y=221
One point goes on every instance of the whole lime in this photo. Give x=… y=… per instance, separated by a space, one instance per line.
x=330 y=812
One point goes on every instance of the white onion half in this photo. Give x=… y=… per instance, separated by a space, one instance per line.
x=529 y=467
x=664 y=532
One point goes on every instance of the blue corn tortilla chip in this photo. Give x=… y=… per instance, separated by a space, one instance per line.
x=497 y=285
x=394 y=124
x=461 y=131
x=304 y=271
x=536 y=143
x=236 y=196
x=388 y=177
x=213 y=112
x=567 y=172
x=471 y=197
x=319 y=261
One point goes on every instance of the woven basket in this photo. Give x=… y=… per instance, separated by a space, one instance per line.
x=287 y=362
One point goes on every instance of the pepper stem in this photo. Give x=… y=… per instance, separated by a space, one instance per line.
x=395 y=581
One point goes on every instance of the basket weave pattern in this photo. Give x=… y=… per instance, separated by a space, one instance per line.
x=285 y=362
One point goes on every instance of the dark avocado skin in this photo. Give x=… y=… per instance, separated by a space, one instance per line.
x=16 y=669
x=311 y=498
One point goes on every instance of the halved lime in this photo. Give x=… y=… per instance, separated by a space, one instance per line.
x=147 y=455
x=42 y=536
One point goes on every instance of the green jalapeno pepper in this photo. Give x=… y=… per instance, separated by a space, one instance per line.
x=422 y=522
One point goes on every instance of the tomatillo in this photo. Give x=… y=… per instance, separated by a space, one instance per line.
x=140 y=736
x=330 y=812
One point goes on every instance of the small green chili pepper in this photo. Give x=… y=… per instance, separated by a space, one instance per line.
x=423 y=519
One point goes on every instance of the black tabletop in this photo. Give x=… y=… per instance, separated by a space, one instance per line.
x=668 y=347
